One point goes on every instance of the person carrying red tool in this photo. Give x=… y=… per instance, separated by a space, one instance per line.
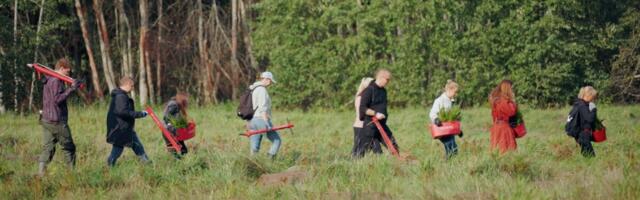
x=262 y=117
x=373 y=104
x=54 y=118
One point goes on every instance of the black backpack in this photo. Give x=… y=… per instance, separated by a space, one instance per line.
x=245 y=110
x=572 y=128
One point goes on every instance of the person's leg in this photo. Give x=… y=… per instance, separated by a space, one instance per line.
x=68 y=147
x=255 y=140
x=274 y=137
x=584 y=139
x=356 y=137
x=376 y=140
x=116 y=151
x=450 y=146
x=138 y=149
x=184 y=148
x=48 y=147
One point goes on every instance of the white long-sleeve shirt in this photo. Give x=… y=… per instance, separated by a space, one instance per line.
x=441 y=102
x=261 y=100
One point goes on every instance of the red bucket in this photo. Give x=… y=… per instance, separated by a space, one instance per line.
x=600 y=135
x=186 y=133
x=447 y=129
x=520 y=130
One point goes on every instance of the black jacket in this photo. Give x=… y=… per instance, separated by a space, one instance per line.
x=373 y=97
x=586 y=117
x=121 y=119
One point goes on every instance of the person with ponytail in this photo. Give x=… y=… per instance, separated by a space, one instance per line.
x=358 y=124
x=176 y=109
x=445 y=102
x=503 y=107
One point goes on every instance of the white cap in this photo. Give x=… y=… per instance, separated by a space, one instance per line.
x=268 y=75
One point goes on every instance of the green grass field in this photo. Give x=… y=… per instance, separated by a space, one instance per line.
x=547 y=164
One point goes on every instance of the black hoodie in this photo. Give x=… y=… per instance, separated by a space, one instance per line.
x=587 y=118
x=121 y=119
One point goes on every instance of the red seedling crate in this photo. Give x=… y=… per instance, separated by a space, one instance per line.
x=600 y=135
x=447 y=128
x=186 y=133
x=520 y=130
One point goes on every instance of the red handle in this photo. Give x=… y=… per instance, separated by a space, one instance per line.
x=50 y=72
x=385 y=137
x=164 y=130
x=261 y=131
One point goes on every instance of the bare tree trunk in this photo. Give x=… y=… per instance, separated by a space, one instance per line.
x=2 y=108
x=204 y=56
x=105 y=51
x=35 y=55
x=127 y=55
x=234 y=47
x=247 y=35
x=15 y=58
x=147 y=64
x=87 y=43
x=142 y=82
x=158 y=57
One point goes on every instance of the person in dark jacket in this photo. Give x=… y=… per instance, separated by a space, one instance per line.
x=176 y=109
x=587 y=115
x=121 y=121
x=54 y=118
x=373 y=103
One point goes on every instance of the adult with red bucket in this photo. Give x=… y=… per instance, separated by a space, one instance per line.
x=503 y=107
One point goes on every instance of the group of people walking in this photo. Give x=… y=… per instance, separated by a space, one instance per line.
x=371 y=103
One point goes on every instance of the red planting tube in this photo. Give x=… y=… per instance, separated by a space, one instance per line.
x=41 y=69
x=255 y=132
x=164 y=130
x=385 y=137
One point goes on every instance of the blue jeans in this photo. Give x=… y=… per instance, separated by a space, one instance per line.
x=258 y=124
x=136 y=146
x=450 y=146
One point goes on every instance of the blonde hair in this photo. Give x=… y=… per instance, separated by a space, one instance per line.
x=126 y=80
x=363 y=84
x=451 y=85
x=587 y=91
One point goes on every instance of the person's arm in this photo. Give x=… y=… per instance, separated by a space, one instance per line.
x=507 y=108
x=365 y=102
x=121 y=109
x=435 y=109
x=61 y=94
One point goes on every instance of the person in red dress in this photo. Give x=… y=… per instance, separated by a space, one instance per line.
x=503 y=107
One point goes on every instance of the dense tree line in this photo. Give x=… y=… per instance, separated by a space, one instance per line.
x=319 y=50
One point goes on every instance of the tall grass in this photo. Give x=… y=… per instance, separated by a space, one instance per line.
x=547 y=164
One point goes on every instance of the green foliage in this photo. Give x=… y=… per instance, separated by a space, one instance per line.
x=178 y=122
x=453 y=114
x=519 y=117
x=321 y=49
x=599 y=125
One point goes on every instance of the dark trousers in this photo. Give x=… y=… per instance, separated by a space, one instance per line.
x=60 y=134
x=136 y=146
x=356 y=137
x=584 y=140
x=369 y=139
x=450 y=146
